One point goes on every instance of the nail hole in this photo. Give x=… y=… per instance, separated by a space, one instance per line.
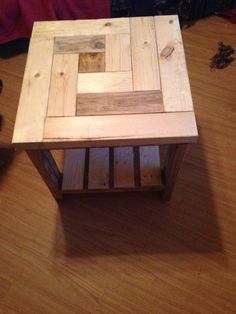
x=108 y=24
x=37 y=75
x=61 y=73
x=171 y=21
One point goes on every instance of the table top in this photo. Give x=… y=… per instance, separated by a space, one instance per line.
x=107 y=82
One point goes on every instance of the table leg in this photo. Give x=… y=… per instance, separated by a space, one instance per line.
x=173 y=163
x=48 y=170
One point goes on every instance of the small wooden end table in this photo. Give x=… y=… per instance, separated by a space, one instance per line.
x=108 y=92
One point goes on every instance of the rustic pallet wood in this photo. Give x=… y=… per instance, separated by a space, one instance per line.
x=62 y=96
x=115 y=83
x=119 y=103
x=105 y=82
x=144 y=54
x=173 y=71
x=120 y=177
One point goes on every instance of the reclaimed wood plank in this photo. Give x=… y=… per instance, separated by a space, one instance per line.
x=119 y=103
x=161 y=128
x=73 y=175
x=144 y=54
x=79 y=44
x=91 y=62
x=63 y=88
x=123 y=167
x=150 y=172
x=32 y=107
x=174 y=75
x=98 y=177
x=49 y=29
x=118 y=54
x=105 y=82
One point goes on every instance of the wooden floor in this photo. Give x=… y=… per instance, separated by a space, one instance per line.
x=129 y=253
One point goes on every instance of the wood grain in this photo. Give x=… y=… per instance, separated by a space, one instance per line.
x=62 y=95
x=174 y=75
x=32 y=107
x=123 y=167
x=119 y=103
x=73 y=175
x=91 y=62
x=118 y=53
x=106 y=82
x=98 y=168
x=48 y=170
x=49 y=29
x=144 y=54
x=145 y=128
x=150 y=166
x=79 y=44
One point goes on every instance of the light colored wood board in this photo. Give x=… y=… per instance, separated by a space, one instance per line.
x=79 y=44
x=105 y=82
x=32 y=106
x=123 y=129
x=174 y=75
x=123 y=167
x=150 y=172
x=91 y=27
x=144 y=54
x=91 y=62
x=118 y=54
x=73 y=175
x=63 y=88
x=119 y=103
x=98 y=177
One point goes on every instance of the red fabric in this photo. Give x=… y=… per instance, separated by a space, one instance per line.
x=17 y=16
x=231 y=15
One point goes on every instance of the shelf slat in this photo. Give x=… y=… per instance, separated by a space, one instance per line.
x=108 y=172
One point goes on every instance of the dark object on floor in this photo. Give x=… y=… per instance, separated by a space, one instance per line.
x=1 y=86
x=231 y=15
x=223 y=58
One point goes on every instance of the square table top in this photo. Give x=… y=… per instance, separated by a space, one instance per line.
x=106 y=82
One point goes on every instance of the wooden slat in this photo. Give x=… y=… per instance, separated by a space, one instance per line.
x=73 y=177
x=118 y=57
x=119 y=103
x=91 y=62
x=123 y=167
x=162 y=128
x=32 y=107
x=150 y=173
x=105 y=82
x=98 y=177
x=80 y=27
x=144 y=54
x=79 y=44
x=62 y=96
x=174 y=76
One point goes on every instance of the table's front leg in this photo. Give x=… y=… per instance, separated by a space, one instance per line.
x=173 y=163
x=48 y=170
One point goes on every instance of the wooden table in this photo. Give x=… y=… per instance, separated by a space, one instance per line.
x=107 y=92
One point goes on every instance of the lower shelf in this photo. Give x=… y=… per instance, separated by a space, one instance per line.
x=112 y=169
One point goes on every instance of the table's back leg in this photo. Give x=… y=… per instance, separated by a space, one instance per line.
x=48 y=170
x=173 y=163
